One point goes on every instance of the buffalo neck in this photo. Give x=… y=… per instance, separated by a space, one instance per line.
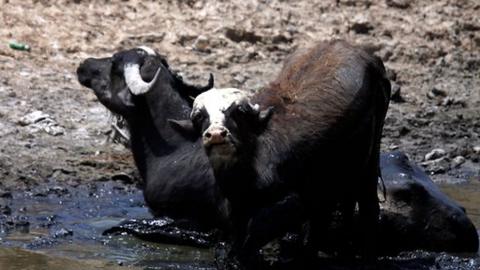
x=152 y=138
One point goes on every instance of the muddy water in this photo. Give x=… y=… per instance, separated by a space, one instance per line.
x=468 y=195
x=61 y=227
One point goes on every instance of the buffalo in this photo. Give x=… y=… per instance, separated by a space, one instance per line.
x=296 y=137
x=139 y=85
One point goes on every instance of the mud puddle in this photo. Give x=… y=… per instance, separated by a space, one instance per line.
x=61 y=227
x=468 y=195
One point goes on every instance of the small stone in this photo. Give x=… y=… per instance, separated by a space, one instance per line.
x=438 y=92
x=202 y=44
x=402 y=4
x=361 y=25
x=447 y=101
x=476 y=149
x=435 y=154
x=32 y=118
x=457 y=161
x=393 y=147
x=6 y=195
x=238 y=35
x=62 y=233
x=391 y=74
x=403 y=131
x=436 y=166
x=5 y=210
x=396 y=94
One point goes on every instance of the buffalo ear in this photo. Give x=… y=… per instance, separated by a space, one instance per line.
x=265 y=115
x=185 y=128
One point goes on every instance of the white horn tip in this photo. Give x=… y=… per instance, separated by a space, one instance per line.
x=148 y=50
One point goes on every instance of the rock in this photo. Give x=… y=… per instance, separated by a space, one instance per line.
x=282 y=38
x=457 y=161
x=124 y=178
x=436 y=166
x=238 y=35
x=391 y=74
x=437 y=92
x=62 y=233
x=476 y=149
x=403 y=131
x=435 y=154
x=240 y=79
x=5 y=210
x=361 y=25
x=32 y=118
x=6 y=195
x=396 y=94
x=54 y=130
x=202 y=44
x=39 y=120
x=402 y=4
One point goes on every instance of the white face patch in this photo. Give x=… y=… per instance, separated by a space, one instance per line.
x=148 y=50
x=217 y=101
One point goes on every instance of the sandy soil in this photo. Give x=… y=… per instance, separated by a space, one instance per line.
x=431 y=48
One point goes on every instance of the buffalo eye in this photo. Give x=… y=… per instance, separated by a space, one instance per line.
x=198 y=118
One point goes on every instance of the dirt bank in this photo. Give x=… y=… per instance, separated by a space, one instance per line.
x=52 y=129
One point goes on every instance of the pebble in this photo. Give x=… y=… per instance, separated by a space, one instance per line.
x=5 y=210
x=402 y=4
x=238 y=35
x=476 y=149
x=396 y=94
x=391 y=74
x=39 y=120
x=32 y=118
x=435 y=153
x=436 y=92
x=202 y=44
x=361 y=25
x=457 y=161
x=62 y=233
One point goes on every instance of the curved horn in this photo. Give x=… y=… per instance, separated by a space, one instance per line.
x=148 y=50
x=208 y=86
x=134 y=80
x=193 y=91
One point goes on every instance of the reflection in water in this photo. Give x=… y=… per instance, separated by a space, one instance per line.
x=468 y=195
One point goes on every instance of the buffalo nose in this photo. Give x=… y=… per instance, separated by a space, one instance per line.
x=215 y=136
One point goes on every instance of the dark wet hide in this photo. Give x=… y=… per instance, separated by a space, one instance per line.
x=164 y=230
x=406 y=261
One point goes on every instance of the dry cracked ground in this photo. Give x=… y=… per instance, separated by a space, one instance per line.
x=53 y=130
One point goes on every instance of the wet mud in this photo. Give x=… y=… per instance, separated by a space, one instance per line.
x=63 y=182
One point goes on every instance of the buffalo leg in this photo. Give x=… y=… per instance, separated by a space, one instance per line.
x=264 y=226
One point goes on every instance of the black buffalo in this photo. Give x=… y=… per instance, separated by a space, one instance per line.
x=314 y=132
x=139 y=85
x=182 y=186
x=417 y=215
